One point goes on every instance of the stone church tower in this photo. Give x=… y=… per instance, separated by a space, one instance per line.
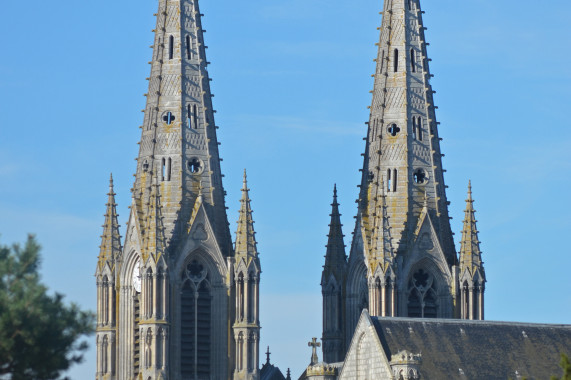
x=402 y=259
x=178 y=300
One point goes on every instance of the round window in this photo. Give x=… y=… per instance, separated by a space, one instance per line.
x=420 y=176
x=195 y=165
x=168 y=117
x=393 y=130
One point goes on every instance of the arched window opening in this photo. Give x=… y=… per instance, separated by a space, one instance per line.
x=148 y=348
x=169 y=168
x=251 y=352
x=164 y=169
x=160 y=291
x=250 y=306
x=413 y=60
x=188 y=116
x=149 y=293
x=396 y=60
x=410 y=6
x=419 y=126
x=195 y=322
x=188 y=51
x=105 y=300
x=195 y=117
x=389 y=182
x=414 y=135
x=171 y=47
x=422 y=295
x=240 y=297
x=395 y=179
x=105 y=354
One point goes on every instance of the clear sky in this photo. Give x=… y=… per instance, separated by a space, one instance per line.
x=291 y=80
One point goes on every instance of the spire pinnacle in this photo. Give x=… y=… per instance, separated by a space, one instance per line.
x=245 y=234
x=111 y=239
x=335 y=255
x=470 y=254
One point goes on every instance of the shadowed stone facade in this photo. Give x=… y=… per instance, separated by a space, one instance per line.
x=178 y=300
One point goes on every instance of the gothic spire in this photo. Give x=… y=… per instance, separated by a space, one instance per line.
x=111 y=239
x=383 y=250
x=403 y=148
x=178 y=143
x=470 y=254
x=245 y=235
x=335 y=258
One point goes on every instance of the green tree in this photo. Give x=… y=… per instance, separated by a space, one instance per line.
x=566 y=366
x=40 y=336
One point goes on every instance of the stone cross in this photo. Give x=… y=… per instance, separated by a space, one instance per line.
x=268 y=353
x=314 y=344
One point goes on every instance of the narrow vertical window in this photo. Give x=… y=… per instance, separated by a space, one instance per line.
x=188 y=116
x=414 y=136
x=395 y=179
x=396 y=60
x=410 y=5
x=195 y=116
x=382 y=62
x=163 y=170
x=389 y=180
x=412 y=60
x=169 y=164
x=171 y=47
x=188 y=55
x=419 y=126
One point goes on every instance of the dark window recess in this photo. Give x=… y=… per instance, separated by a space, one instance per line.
x=419 y=126
x=171 y=47
x=420 y=176
x=145 y=166
x=413 y=60
x=395 y=179
x=188 y=51
x=194 y=165
x=389 y=180
x=414 y=136
x=396 y=60
x=394 y=130
x=168 y=118
x=371 y=176
x=164 y=169
x=189 y=116
x=169 y=169
x=195 y=116
x=410 y=5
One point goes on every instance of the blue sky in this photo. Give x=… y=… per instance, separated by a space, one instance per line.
x=291 y=81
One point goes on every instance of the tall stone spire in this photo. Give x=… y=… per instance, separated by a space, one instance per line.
x=178 y=143
x=332 y=285
x=110 y=247
x=403 y=261
x=403 y=149
x=175 y=277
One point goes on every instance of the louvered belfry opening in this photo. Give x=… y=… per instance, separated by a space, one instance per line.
x=196 y=316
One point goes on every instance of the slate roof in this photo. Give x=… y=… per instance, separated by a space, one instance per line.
x=271 y=372
x=460 y=349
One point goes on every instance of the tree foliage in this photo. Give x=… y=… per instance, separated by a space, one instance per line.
x=40 y=336
x=565 y=364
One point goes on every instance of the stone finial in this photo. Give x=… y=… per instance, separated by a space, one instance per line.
x=268 y=353
x=288 y=377
x=335 y=255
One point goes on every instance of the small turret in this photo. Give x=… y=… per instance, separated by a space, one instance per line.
x=247 y=289
x=109 y=253
x=332 y=287
x=472 y=274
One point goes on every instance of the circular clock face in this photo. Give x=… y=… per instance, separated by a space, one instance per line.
x=137 y=278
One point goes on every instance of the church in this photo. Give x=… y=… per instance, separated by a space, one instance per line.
x=178 y=299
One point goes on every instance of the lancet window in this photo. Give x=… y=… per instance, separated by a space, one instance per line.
x=422 y=295
x=195 y=321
